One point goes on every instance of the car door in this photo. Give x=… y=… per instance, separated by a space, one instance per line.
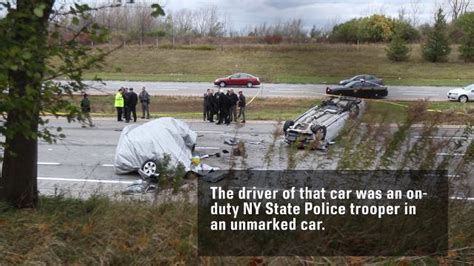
x=347 y=90
x=357 y=89
x=471 y=95
x=234 y=80
x=370 y=89
x=244 y=79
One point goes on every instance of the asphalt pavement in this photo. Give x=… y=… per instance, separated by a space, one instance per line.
x=405 y=93
x=83 y=162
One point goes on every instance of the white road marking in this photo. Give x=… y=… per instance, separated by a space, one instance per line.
x=286 y=90
x=210 y=132
x=450 y=154
x=48 y=163
x=85 y=180
x=207 y=148
x=108 y=165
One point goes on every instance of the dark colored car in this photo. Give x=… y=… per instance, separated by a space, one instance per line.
x=364 y=77
x=359 y=89
x=238 y=79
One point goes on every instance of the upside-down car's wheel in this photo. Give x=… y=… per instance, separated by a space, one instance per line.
x=149 y=167
x=319 y=131
x=222 y=84
x=287 y=125
x=250 y=85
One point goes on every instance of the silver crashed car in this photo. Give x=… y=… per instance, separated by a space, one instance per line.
x=321 y=124
x=462 y=95
x=140 y=146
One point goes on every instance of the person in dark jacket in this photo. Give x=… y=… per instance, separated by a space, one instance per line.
x=86 y=109
x=145 y=101
x=233 y=106
x=125 y=105
x=206 y=105
x=223 y=107
x=242 y=104
x=211 y=107
x=217 y=104
x=132 y=100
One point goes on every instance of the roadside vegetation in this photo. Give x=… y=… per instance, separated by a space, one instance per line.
x=285 y=63
x=283 y=108
x=107 y=232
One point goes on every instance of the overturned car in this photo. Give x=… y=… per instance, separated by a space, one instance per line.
x=321 y=124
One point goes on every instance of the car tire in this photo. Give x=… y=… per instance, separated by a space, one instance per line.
x=319 y=130
x=250 y=85
x=463 y=99
x=149 y=167
x=222 y=84
x=287 y=125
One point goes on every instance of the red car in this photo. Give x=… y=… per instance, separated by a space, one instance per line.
x=238 y=79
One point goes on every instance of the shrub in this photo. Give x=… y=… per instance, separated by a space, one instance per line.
x=397 y=50
x=436 y=48
x=466 y=23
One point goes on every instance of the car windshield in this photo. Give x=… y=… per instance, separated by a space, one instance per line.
x=470 y=87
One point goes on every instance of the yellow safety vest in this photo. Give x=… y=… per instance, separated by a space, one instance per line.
x=118 y=100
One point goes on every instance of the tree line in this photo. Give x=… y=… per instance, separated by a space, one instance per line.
x=133 y=25
x=436 y=44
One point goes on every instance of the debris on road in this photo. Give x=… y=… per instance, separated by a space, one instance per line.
x=231 y=142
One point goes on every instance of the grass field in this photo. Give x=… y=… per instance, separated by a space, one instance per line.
x=99 y=231
x=315 y=63
x=283 y=108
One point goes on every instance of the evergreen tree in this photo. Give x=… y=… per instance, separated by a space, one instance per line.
x=466 y=23
x=397 y=50
x=436 y=47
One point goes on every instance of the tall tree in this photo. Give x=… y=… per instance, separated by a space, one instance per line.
x=24 y=38
x=436 y=48
x=458 y=8
x=31 y=35
x=466 y=23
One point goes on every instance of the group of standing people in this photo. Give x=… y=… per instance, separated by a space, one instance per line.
x=126 y=101
x=223 y=106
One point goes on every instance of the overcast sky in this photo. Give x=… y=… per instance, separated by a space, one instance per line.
x=322 y=13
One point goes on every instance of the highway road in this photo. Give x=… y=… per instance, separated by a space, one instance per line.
x=83 y=162
x=406 y=93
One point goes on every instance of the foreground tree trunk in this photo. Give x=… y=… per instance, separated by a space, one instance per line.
x=27 y=31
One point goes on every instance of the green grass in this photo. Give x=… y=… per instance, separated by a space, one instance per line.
x=284 y=108
x=312 y=63
x=65 y=231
